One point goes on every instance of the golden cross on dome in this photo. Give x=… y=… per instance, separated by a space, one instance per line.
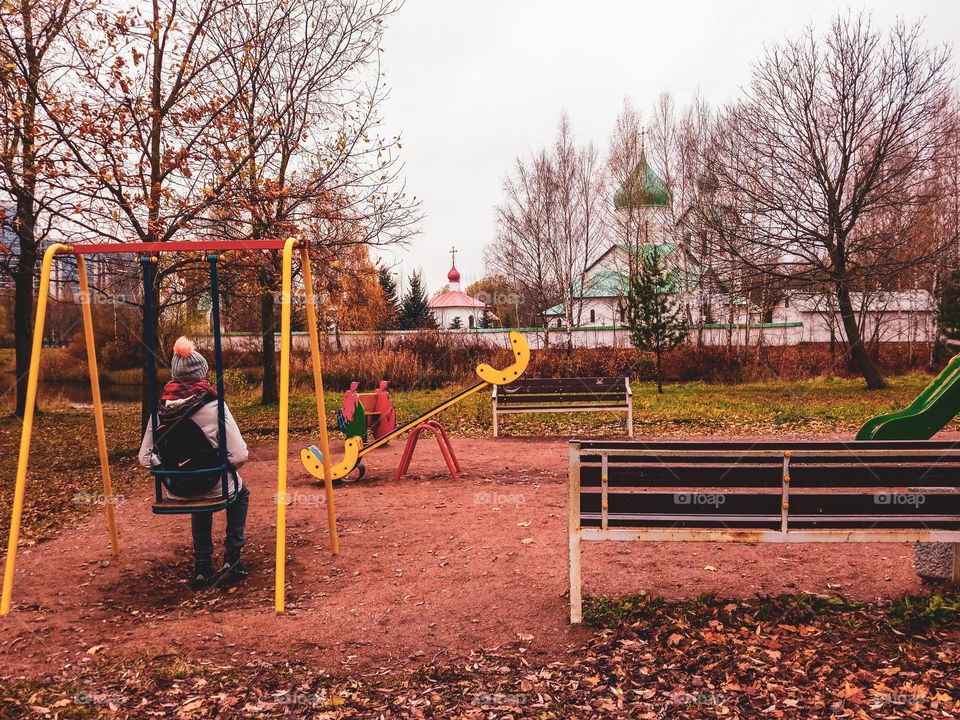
x=453 y=256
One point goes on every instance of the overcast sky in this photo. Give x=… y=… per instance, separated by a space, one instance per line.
x=474 y=84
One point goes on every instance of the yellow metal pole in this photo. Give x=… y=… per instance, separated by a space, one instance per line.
x=32 y=381
x=97 y=404
x=318 y=390
x=286 y=286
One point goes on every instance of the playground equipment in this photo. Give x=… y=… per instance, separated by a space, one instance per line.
x=166 y=505
x=443 y=440
x=151 y=250
x=929 y=413
x=367 y=412
x=354 y=449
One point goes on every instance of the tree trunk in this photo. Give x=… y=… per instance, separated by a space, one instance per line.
x=858 y=351
x=153 y=212
x=730 y=321
x=937 y=330
x=270 y=393
x=659 y=354
x=23 y=298
x=833 y=349
x=146 y=402
x=25 y=224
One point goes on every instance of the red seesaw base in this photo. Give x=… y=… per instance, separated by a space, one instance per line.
x=446 y=448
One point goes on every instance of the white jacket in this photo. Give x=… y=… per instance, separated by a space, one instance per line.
x=206 y=419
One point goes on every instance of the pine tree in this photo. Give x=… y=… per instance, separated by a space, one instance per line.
x=389 y=287
x=486 y=320
x=414 y=313
x=457 y=323
x=948 y=312
x=654 y=319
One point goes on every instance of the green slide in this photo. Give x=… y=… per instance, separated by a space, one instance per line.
x=937 y=405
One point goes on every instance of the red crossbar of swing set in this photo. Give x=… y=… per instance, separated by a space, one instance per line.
x=181 y=246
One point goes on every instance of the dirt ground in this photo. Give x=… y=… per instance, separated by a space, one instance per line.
x=428 y=567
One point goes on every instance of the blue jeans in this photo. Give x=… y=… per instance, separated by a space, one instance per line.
x=202 y=526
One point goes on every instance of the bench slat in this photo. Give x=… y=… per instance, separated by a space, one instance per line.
x=757 y=522
x=504 y=400
x=684 y=503
x=561 y=407
x=903 y=522
x=588 y=384
x=615 y=520
x=880 y=505
x=769 y=475
x=710 y=501
x=589 y=447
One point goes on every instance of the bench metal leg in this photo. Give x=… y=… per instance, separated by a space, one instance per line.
x=576 y=597
x=573 y=537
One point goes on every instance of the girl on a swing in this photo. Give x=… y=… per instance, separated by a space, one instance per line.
x=187 y=435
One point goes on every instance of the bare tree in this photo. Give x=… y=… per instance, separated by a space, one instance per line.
x=696 y=190
x=575 y=216
x=629 y=221
x=832 y=131
x=521 y=251
x=31 y=61
x=322 y=170
x=148 y=105
x=550 y=227
x=223 y=114
x=942 y=217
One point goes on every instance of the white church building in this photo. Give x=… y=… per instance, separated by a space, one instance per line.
x=453 y=308
x=906 y=316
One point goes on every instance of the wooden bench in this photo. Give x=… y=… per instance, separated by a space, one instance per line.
x=761 y=492
x=550 y=395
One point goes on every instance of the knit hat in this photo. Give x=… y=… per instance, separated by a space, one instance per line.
x=187 y=363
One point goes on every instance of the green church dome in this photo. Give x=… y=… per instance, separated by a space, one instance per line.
x=643 y=189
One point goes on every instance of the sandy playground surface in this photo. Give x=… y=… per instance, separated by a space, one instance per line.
x=428 y=567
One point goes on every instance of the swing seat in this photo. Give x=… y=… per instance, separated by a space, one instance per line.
x=170 y=506
x=166 y=505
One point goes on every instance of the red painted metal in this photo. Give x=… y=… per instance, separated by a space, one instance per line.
x=446 y=448
x=178 y=246
x=438 y=428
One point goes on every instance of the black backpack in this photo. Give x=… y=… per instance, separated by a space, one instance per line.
x=182 y=445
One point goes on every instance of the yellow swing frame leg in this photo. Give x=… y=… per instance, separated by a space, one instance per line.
x=318 y=391
x=283 y=429
x=286 y=290
x=108 y=498
x=27 y=432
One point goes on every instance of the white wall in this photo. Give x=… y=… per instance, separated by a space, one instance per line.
x=445 y=316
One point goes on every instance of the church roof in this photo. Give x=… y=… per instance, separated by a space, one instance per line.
x=454 y=299
x=643 y=188
x=662 y=249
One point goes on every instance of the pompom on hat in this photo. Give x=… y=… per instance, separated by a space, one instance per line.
x=187 y=363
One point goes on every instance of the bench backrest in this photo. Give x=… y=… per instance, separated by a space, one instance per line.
x=826 y=487
x=564 y=391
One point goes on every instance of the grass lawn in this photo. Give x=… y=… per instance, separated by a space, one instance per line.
x=64 y=457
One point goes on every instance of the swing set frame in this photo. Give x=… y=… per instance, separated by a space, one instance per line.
x=288 y=246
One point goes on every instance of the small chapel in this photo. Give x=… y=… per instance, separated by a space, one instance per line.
x=453 y=309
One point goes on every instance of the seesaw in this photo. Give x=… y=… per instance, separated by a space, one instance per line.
x=354 y=449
